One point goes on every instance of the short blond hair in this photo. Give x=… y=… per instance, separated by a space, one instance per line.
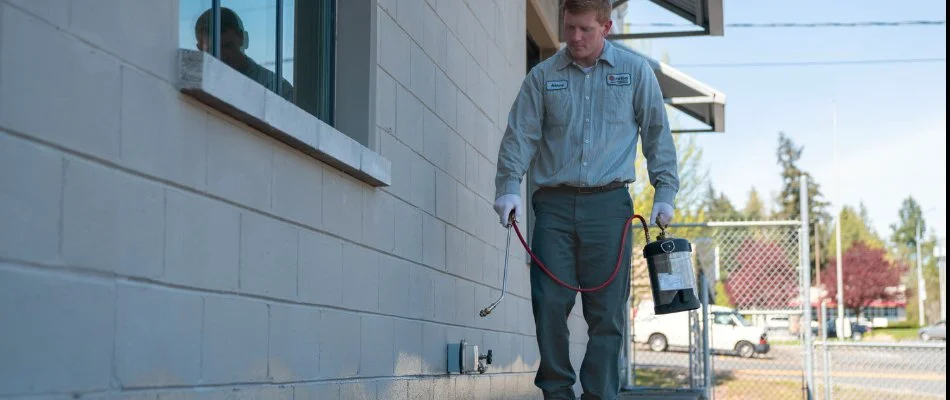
x=602 y=7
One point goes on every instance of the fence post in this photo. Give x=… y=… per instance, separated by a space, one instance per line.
x=806 y=289
x=824 y=344
x=707 y=356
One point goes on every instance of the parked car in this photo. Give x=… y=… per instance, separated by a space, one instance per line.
x=729 y=331
x=858 y=331
x=937 y=331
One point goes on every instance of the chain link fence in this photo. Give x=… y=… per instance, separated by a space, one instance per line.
x=873 y=371
x=754 y=280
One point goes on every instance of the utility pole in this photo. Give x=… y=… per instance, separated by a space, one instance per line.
x=921 y=288
x=817 y=257
x=941 y=253
x=843 y=329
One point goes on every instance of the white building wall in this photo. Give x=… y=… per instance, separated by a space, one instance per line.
x=152 y=247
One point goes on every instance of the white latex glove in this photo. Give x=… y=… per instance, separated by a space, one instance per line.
x=662 y=214
x=505 y=204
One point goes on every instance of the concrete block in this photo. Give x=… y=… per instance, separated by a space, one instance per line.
x=58 y=332
x=320 y=269
x=443 y=387
x=420 y=292
x=486 y=138
x=268 y=257
x=465 y=114
x=468 y=212
x=389 y=6
x=158 y=337
x=446 y=98
x=394 y=49
x=408 y=347
x=394 y=286
x=423 y=184
x=393 y=389
x=75 y=104
x=288 y=118
x=465 y=387
x=379 y=222
x=434 y=342
x=377 y=343
x=294 y=343
x=434 y=38
x=298 y=187
x=232 y=393
x=32 y=180
x=162 y=135
x=341 y=148
x=360 y=278
x=240 y=164
x=51 y=11
x=409 y=16
x=436 y=141
x=446 y=197
x=421 y=389
x=385 y=101
x=359 y=390
x=401 y=157
x=112 y=221
x=374 y=165
x=235 y=340
x=343 y=205
x=422 y=75
x=456 y=250
x=443 y=297
x=202 y=242
x=471 y=167
x=410 y=119
x=449 y=11
x=320 y=391
x=340 y=351
x=455 y=146
x=151 y=47
x=409 y=236
x=434 y=242
x=530 y=353
x=465 y=311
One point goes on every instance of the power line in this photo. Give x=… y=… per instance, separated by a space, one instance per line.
x=814 y=63
x=805 y=24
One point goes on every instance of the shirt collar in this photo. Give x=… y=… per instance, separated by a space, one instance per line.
x=607 y=55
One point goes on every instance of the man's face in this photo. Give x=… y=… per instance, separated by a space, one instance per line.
x=231 y=42
x=584 y=34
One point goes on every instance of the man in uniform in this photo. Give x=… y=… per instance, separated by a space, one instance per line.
x=575 y=123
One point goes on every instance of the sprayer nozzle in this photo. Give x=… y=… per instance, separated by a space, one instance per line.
x=485 y=312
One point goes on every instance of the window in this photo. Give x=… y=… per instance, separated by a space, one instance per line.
x=287 y=46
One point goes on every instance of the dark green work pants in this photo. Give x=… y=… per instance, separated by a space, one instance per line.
x=577 y=236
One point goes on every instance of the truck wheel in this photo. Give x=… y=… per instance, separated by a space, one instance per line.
x=745 y=349
x=657 y=342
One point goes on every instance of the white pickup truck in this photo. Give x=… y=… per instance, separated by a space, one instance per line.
x=729 y=331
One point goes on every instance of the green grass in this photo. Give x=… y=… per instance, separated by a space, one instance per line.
x=895 y=334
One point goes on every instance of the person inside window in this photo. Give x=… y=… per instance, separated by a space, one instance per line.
x=234 y=42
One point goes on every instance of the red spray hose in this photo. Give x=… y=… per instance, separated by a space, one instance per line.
x=623 y=241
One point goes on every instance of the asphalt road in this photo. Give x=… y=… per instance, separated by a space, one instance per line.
x=912 y=371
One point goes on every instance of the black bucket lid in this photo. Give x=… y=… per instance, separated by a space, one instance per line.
x=667 y=246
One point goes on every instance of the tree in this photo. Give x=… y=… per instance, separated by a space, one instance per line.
x=855 y=227
x=755 y=208
x=788 y=155
x=717 y=206
x=764 y=277
x=867 y=276
x=904 y=233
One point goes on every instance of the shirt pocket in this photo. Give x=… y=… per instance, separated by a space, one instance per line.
x=558 y=109
x=618 y=104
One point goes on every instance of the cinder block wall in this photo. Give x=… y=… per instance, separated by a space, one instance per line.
x=154 y=248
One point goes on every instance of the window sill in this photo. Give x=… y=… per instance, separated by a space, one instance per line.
x=210 y=81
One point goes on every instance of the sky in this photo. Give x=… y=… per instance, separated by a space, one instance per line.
x=891 y=119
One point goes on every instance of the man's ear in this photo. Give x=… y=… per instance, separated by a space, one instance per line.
x=607 y=26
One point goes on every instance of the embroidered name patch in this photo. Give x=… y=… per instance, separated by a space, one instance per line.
x=555 y=85
x=618 y=79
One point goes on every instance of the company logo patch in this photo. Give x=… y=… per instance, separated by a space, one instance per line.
x=555 y=85
x=618 y=79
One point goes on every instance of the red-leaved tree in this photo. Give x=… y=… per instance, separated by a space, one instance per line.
x=762 y=276
x=866 y=276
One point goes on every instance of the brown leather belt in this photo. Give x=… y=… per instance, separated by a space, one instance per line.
x=584 y=190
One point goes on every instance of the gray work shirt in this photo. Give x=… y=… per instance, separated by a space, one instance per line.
x=581 y=129
x=266 y=78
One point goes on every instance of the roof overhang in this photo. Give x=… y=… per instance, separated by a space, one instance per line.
x=706 y=14
x=688 y=95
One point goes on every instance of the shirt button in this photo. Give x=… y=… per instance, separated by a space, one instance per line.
x=584 y=163
x=587 y=77
x=587 y=97
x=586 y=140
x=586 y=119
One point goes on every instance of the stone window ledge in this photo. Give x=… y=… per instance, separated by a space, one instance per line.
x=210 y=81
